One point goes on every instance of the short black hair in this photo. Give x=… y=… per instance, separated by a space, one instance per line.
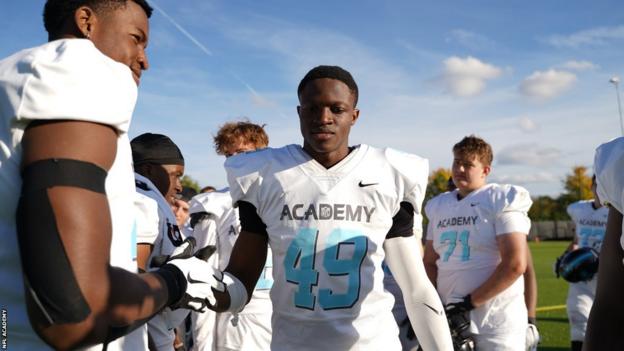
x=56 y=12
x=331 y=72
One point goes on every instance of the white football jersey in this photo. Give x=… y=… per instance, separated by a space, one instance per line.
x=157 y=226
x=464 y=236
x=326 y=229
x=608 y=166
x=218 y=204
x=48 y=83
x=590 y=223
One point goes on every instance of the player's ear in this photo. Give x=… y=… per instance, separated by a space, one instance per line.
x=299 y=111
x=85 y=20
x=486 y=170
x=355 y=116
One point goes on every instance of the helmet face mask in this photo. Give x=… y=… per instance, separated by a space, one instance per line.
x=579 y=265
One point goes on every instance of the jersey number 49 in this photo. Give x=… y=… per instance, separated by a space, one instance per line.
x=300 y=263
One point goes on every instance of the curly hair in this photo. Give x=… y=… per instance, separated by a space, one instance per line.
x=474 y=146
x=57 y=12
x=233 y=132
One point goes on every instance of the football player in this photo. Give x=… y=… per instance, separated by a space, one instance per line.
x=158 y=166
x=476 y=250
x=216 y=222
x=605 y=326
x=66 y=215
x=590 y=221
x=331 y=214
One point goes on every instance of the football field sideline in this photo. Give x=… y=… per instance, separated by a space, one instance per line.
x=552 y=320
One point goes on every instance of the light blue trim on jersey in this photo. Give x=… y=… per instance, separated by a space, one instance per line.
x=266 y=279
x=451 y=237
x=302 y=251
x=343 y=267
x=133 y=241
x=299 y=267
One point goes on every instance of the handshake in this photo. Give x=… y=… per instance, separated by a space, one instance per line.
x=191 y=281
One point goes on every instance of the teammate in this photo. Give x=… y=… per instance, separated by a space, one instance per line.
x=158 y=166
x=182 y=206
x=251 y=328
x=66 y=185
x=331 y=213
x=605 y=326
x=476 y=249
x=590 y=221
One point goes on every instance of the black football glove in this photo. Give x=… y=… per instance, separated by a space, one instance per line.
x=558 y=264
x=463 y=306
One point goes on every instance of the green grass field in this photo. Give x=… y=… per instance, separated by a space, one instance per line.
x=552 y=292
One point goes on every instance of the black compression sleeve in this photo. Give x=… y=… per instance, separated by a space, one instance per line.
x=402 y=222
x=249 y=219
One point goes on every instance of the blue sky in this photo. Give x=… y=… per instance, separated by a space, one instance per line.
x=531 y=77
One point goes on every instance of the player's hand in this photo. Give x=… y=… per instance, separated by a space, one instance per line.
x=185 y=250
x=532 y=337
x=463 y=306
x=202 y=281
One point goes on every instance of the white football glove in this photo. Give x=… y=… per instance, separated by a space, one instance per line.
x=185 y=250
x=532 y=337
x=202 y=280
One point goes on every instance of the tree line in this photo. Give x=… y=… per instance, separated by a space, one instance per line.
x=576 y=186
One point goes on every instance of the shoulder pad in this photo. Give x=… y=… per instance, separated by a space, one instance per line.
x=608 y=166
x=414 y=171
x=574 y=208
x=216 y=202
x=432 y=206
x=245 y=172
x=510 y=198
x=57 y=82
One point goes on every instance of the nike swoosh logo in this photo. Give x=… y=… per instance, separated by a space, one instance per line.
x=362 y=185
x=474 y=204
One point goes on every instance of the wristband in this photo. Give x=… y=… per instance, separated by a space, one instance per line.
x=175 y=282
x=237 y=292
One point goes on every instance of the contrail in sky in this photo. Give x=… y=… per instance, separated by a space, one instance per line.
x=207 y=51
x=182 y=30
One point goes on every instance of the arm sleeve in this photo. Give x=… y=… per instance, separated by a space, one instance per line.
x=75 y=81
x=422 y=302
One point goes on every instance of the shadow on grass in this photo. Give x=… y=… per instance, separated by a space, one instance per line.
x=552 y=319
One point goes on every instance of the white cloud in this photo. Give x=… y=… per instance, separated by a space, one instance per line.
x=527 y=125
x=543 y=85
x=468 y=39
x=467 y=76
x=537 y=177
x=579 y=65
x=589 y=37
x=528 y=154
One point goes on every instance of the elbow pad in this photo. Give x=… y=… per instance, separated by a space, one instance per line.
x=48 y=275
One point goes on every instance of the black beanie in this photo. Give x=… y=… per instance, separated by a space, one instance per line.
x=155 y=148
